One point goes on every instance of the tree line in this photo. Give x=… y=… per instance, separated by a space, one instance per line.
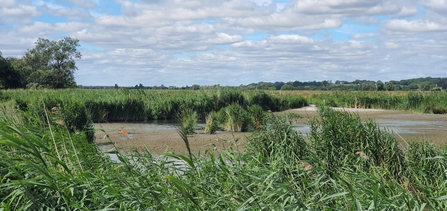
x=423 y=84
x=50 y=64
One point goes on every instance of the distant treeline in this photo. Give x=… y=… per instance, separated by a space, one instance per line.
x=421 y=84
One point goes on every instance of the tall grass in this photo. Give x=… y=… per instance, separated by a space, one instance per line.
x=421 y=102
x=340 y=138
x=46 y=166
x=137 y=105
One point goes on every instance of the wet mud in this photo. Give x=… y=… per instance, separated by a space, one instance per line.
x=161 y=137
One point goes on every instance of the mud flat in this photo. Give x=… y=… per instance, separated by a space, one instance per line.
x=163 y=136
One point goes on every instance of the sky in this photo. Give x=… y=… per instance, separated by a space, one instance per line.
x=234 y=42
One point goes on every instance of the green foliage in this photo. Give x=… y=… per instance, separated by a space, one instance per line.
x=235 y=118
x=267 y=102
x=51 y=64
x=212 y=123
x=423 y=102
x=287 y=87
x=278 y=143
x=9 y=77
x=227 y=96
x=389 y=86
x=43 y=167
x=257 y=114
x=380 y=86
x=144 y=105
x=294 y=101
x=76 y=118
x=188 y=120
x=340 y=138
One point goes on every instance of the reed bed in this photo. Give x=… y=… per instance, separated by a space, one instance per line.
x=111 y=105
x=416 y=101
x=343 y=164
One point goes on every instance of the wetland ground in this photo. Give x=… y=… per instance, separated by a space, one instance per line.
x=162 y=136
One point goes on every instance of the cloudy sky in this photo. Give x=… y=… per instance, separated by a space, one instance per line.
x=233 y=42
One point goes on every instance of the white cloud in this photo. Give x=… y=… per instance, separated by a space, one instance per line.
x=70 y=13
x=223 y=38
x=17 y=13
x=86 y=4
x=415 y=26
x=291 y=38
x=391 y=45
x=8 y=3
x=437 y=5
x=406 y=11
x=364 y=35
x=184 y=42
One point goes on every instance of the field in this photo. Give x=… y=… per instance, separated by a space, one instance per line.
x=50 y=161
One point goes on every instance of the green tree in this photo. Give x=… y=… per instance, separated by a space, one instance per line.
x=287 y=87
x=265 y=86
x=9 y=77
x=195 y=87
x=367 y=86
x=380 y=86
x=425 y=86
x=389 y=86
x=52 y=63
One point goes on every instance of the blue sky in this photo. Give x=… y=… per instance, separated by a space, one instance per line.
x=233 y=42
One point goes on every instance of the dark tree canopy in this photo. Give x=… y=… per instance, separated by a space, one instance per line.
x=380 y=86
x=9 y=77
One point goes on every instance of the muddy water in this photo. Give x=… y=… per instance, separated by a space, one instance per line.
x=159 y=137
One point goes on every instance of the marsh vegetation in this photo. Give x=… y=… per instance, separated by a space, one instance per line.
x=50 y=162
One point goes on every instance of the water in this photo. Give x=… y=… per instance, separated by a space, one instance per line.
x=397 y=126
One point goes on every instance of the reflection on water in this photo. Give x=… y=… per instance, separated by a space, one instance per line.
x=397 y=126
x=412 y=127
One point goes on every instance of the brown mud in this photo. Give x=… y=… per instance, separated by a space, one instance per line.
x=164 y=139
x=158 y=138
